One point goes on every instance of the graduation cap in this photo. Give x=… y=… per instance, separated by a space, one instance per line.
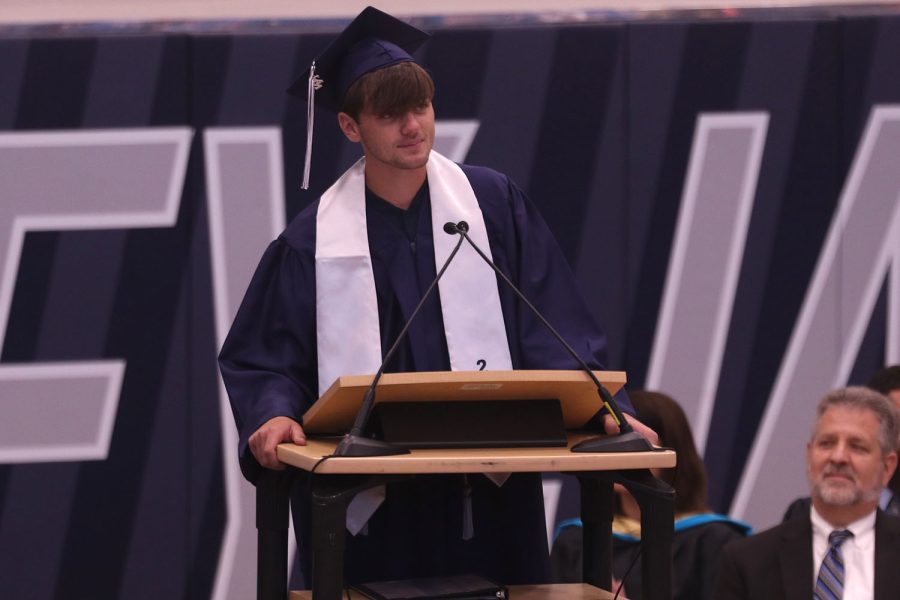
x=372 y=41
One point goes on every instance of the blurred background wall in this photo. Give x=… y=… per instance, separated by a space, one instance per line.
x=723 y=180
x=56 y=11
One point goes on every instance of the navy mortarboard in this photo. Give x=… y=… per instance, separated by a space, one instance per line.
x=373 y=40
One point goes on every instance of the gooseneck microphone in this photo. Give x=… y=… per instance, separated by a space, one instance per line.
x=628 y=440
x=356 y=443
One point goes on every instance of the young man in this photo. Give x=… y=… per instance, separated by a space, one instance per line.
x=332 y=293
x=845 y=547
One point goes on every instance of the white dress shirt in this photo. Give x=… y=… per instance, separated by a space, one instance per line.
x=858 y=553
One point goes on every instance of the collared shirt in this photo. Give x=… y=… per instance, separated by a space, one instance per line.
x=858 y=553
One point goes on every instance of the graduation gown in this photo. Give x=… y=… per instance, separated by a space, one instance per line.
x=268 y=363
x=697 y=545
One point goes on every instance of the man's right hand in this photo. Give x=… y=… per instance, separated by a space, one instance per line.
x=275 y=431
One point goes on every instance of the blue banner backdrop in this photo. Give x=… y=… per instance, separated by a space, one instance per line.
x=610 y=127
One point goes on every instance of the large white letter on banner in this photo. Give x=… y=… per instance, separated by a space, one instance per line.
x=706 y=261
x=54 y=181
x=862 y=246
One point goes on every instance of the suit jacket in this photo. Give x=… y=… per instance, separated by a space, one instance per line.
x=777 y=564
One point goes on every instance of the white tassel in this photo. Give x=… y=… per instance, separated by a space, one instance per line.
x=467 y=523
x=314 y=83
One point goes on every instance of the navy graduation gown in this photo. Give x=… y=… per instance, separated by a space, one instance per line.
x=269 y=366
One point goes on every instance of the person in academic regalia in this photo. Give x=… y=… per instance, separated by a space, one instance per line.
x=699 y=534
x=331 y=294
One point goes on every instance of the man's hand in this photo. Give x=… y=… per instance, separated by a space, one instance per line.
x=609 y=425
x=273 y=432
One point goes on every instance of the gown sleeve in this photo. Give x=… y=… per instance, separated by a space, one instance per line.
x=268 y=360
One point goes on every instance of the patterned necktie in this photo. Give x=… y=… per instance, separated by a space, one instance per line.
x=830 y=582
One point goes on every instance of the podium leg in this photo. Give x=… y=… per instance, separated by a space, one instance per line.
x=331 y=495
x=657 y=502
x=596 y=517
x=272 y=518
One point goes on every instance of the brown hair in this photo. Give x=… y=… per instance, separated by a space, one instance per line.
x=392 y=90
x=663 y=414
x=885 y=380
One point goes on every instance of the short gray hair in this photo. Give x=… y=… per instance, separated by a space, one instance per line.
x=863 y=398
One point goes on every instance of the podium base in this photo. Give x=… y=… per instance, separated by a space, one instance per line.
x=623 y=442
x=355 y=445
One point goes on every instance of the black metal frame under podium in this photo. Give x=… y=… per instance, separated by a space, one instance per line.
x=273 y=495
x=657 y=502
x=331 y=495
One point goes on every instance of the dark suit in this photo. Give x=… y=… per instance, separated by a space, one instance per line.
x=777 y=564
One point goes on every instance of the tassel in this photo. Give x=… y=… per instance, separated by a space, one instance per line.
x=468 y=525
x=315 y=82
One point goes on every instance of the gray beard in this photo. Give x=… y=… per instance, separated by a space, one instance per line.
x=842 y=495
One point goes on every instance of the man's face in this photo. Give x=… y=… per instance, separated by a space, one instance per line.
x=401 y=141
x=845 y=465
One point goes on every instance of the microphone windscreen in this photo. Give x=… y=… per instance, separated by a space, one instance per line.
x=463 y=226
x=450 y=228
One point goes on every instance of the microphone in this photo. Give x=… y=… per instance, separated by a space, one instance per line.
x=628 y=440
x=355 y=443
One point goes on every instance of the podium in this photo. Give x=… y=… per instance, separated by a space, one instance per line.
x=332 y=489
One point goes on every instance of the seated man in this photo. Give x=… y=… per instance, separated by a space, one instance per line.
x=886 y=381
x=846 y=547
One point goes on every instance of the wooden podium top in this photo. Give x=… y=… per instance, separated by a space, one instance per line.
x=334 y=412
x=470 y=460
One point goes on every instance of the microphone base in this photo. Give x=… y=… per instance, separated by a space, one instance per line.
x=355 y=445
x=623 y=442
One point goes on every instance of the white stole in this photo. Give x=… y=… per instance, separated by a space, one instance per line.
x=348 y=334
